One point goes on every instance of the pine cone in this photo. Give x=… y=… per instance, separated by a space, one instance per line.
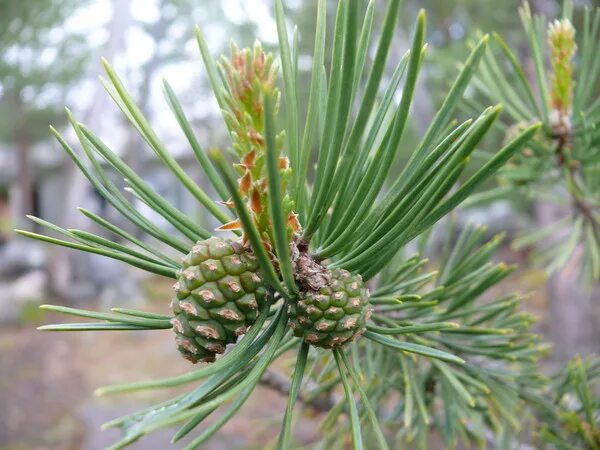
x=219 y=293
x=334 y=315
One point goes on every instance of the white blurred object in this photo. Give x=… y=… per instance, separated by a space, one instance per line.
x=14 y=295
x=19 y=256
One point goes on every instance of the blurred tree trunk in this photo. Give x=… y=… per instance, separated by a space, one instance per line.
x=158 y=32
x=574 y=316
x=574 y=322
x=573 y=308
x=134 y=141
x=62 y=261
x=23 y=203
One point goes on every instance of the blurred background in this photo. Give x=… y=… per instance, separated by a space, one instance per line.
x=50 y=57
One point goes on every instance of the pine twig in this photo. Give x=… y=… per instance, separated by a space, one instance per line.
x=280 y=383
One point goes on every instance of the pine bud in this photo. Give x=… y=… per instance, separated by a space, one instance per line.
x=561 y=39
x=249 y=75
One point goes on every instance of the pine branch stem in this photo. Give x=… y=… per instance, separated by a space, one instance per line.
x=280 y=383
x=562 y=136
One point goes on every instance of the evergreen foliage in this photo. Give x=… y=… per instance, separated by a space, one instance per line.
x=409 y=351
x=561 y=164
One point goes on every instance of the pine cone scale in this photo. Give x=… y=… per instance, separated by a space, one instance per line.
x=333 y=315
x=217 y=298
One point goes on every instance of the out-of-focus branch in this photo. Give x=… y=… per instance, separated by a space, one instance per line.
x=280 y=383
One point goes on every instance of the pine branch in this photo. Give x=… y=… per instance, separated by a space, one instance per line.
x=281 y=383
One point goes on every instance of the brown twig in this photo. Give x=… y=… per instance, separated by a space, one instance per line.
x=562 y=137
x=280 y=383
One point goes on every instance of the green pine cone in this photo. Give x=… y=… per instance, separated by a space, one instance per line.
x=219 y=293
x=335 y=315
